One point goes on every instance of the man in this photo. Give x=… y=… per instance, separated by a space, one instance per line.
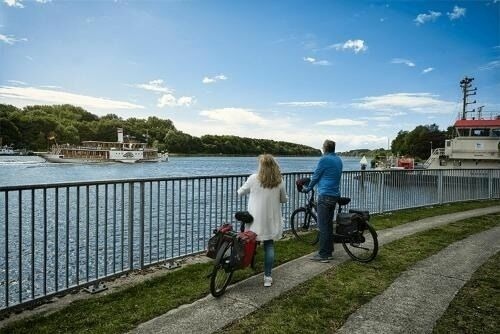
x=327 y=176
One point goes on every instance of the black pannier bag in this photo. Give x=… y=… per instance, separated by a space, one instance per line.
x=215 y=242
x=349 y=223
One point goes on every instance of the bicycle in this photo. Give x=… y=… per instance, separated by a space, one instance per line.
x=303 y=221
x=225 y=248
x=352 y=229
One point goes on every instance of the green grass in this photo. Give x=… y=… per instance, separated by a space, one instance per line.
x=123 y=310
x=322 y=305
x=476 y=308
x=395 y=218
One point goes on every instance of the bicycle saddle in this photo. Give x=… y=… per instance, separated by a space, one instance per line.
x=344 y=200
x=243 y=216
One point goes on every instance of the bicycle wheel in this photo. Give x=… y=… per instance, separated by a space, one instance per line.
x=363 y=245
x=305 y=226
x=223 y=271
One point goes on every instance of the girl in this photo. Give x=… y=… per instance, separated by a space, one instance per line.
x=266 y=191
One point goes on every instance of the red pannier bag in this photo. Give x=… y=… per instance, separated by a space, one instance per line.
x=248 y=242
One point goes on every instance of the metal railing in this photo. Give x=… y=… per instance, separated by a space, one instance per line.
x=59 y=237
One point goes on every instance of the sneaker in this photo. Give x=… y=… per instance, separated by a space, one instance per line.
x=268 y=281
x=321 y=259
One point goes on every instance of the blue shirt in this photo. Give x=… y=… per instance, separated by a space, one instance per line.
x=327 y=175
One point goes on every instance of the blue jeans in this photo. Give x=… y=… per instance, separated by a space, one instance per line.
x=326 y=210
x=268 y=257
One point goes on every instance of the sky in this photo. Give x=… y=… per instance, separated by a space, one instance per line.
x=356 y=72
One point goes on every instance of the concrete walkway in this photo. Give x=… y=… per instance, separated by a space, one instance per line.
x=420 y=296
x=210 y=314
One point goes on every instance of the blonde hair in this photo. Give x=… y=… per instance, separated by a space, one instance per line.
x=269 y=171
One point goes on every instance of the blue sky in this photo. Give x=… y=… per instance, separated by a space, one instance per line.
x=356 y=72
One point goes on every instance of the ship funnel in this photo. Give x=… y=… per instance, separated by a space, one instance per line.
x=120 y=135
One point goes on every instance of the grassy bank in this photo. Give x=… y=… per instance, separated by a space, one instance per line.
x=123 y=310
x=476 y=307
x=322 y=305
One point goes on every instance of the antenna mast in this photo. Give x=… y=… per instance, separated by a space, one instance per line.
x=466 y=85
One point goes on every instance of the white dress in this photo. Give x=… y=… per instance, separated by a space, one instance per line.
x=264 y=205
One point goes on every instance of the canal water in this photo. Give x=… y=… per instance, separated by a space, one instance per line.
x=34 y=170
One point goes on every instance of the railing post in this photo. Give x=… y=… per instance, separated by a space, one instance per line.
x=131 y=225
x=490 y=184
x=141 y=226
x=440 y=187
x=381 y=193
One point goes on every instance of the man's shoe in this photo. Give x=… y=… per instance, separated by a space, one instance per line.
x=268 y=281
x=321 y=259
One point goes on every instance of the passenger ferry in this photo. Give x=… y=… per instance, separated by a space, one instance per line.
x=102 y=151
x=476 y=142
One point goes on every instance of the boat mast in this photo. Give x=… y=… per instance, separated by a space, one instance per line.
x=465 y=83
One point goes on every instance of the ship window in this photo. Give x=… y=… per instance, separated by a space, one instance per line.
x=448 y=143
x=463 y=132
x=480 y=132
x=495 y=132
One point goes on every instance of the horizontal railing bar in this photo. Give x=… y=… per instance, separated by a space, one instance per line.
x=158 y=179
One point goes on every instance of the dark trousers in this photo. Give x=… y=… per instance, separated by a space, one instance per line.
x=326 y=210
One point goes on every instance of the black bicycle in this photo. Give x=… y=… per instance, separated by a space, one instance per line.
x=225 y=247
x=303 y=220
x=352 y=229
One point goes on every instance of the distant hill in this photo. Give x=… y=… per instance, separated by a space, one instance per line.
x=366 y=152
x=33 y=128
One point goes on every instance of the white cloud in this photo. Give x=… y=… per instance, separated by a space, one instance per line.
x=235 y=116
x=491 y=65
x=424 y=18
x=311 y=135
x=14 y=3
x=185 y=101
x=403 y=61
x=342 y=122
x=168 y=100
x=424 y=103
x=155 y=86
x=51 y=87
x=428 y=69
x=22 y=96
x=314 y=61
x=207 y=80
x=357 y=45
x=11 y=39
x=457 y=13
x=17 y=82
x=19 y=3
x=304 y=104
x=378 y=118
